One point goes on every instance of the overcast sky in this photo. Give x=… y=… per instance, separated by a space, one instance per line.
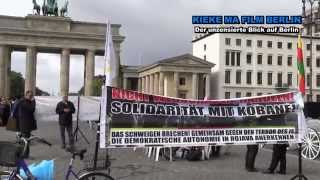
x=154 y=29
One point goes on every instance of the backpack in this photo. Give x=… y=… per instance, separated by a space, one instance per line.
x=194 y=154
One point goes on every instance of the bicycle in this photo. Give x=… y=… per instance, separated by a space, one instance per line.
x=84 y=174
x=11 y=155
x=18 y=162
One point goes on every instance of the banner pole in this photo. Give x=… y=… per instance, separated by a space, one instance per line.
x=107 y=161
x=96 y=150
x=77 y=129
x=300 y=175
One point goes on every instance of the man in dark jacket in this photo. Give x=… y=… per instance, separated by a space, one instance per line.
x=25 y=116
x=65 y=109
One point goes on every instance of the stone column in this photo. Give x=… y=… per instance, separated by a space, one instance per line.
x=143 y=84
x=147 y=85
x=8 y=82
x=151 y=84
x=4 y=51
x=161 y=83
x=208 y=91
x=31 y=70
x=125 y=83
x=195 y=85
x=139 y=84
x=176 y=83
x=89 y=72
x=64 y=72
x=156 y=84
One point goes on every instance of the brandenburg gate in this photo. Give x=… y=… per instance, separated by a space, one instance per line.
x=50 y=34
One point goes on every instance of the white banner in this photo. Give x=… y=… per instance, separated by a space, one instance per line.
x=46 y=108
x=201 y=137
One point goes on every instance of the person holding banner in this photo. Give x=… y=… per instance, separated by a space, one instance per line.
x=252 y=151
x=215 y=150
x=278 y=155
x=280 y=150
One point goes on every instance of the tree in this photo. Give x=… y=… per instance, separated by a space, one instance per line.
x=17 y=86
x=81 y=91
x=96 y=86
x=40 y=92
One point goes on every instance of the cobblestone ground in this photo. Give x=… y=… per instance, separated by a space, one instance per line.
x=134 y=165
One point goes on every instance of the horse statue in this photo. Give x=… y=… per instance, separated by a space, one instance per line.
x=50 y=7
x=64 y=9
x=55 y=9
x=44 y=8
x=36 y=7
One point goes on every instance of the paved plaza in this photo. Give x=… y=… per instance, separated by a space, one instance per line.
x=130 y=165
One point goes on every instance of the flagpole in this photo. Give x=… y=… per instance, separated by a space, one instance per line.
x=300 y=175
x=105 y=62
x=107 y=82
x=102 y=116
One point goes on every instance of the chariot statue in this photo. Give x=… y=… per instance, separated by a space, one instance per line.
x=50 y=8
x=36 y=7
x=64 y=9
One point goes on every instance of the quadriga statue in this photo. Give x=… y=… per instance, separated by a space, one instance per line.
x=50 y=7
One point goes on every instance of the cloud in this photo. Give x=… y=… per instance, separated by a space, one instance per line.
x=154 y=29
x=48 y=72
x=76 y=73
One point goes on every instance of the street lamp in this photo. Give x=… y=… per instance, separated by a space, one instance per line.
x=309 y=21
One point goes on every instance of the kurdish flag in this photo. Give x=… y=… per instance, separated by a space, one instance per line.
x=300 y=65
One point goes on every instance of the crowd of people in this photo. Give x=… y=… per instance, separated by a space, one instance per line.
x=17 y=114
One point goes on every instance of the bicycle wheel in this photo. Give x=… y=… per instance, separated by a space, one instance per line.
x=95 y=176
x=4 y=175
x=311 y=145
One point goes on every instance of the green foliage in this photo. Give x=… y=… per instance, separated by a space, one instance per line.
x=17 y=86
x=40 y=92
x=96 y=86
x=81 y=91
